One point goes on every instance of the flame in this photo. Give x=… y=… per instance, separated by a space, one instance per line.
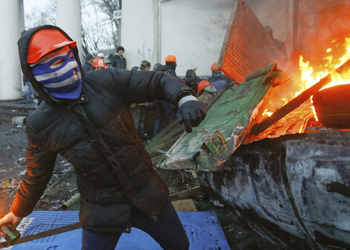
x=267 y=113
x=311 y=73
x=313 y=108
x=309 y=77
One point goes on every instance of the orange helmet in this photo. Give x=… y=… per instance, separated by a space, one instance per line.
x=215 y=67
x=98 y=62
x=170 y=58
x=202 y=84
x=45 y=41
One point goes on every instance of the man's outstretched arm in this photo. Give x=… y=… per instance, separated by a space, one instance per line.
x=142 y=86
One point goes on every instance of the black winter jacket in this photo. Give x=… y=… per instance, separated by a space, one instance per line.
x=119 y=62
x=87 y=67
x=110 y=183
x=192 y=80
x=166 y=69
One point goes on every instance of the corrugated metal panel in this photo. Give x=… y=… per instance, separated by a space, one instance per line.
x=231 y=115
x=247 y=46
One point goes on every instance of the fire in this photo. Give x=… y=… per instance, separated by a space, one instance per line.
x=313 y=108
x=309 y=77
x=267 y=113
x=312 y=72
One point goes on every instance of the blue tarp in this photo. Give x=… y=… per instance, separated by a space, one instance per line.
x=202 y=228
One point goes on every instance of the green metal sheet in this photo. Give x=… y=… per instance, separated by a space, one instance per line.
x=230 y=115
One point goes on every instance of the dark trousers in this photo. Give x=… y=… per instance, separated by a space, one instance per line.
x=167 y=231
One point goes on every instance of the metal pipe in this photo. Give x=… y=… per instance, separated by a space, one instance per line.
x=71 y=201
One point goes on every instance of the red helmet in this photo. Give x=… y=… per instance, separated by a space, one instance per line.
x=202 y=84
x=215 y=67
x=170 y=58
x=98 y=62
x=45 y=41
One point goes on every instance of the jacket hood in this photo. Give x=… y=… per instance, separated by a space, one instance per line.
x=23 y=45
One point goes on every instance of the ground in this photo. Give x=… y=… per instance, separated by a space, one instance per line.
x=13 y=145
x=12 y=168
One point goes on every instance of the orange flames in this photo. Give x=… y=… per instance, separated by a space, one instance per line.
x=313 y=72
x=308 y=75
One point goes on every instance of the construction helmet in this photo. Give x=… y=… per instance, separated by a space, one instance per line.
x=101 y=55
x=98 y=63
x=45 y=41
x=215 y=67
x=202 y=84
x=170 y=58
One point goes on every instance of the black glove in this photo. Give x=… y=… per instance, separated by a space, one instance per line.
x=192 y=113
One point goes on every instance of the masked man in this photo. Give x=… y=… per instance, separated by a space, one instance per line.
x=87 y=120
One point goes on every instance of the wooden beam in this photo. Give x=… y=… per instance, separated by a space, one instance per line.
x=296 y=102
x=290 y=106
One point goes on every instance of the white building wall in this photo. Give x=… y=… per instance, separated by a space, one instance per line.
x=137 y=32
x=193 y=31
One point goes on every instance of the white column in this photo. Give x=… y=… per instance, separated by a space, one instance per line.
x=21 y=28
x=21 y=16
x=10 y=77
x=69 y=20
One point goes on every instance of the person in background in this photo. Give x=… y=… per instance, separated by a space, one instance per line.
x=192 y=80
x=86 y=118
x=218 y=80
x=207 y=92
x=139 y=111
x=87 y=67
x=145 y=65
x=98 y=63
x=119 y=61
x=28 y=94
x=135 y=68
x=165 y=111
x=282 y=55
x=170 y=65
x=108 y=62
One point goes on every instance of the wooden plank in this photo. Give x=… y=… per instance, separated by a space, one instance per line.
x=43 y=234
x=290 y=106
x=296 y=102
x=184 y=205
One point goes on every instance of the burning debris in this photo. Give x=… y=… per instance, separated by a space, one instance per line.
x=297 y=179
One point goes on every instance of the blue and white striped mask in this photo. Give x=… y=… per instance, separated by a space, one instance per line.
x=59 y=73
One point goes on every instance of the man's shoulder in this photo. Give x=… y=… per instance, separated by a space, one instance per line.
x=43 y=116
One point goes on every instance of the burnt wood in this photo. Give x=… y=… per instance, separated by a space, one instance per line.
x=290 y=106
x=43 y=234
x=296 y=102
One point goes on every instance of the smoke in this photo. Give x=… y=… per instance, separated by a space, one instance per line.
x=322 y=25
